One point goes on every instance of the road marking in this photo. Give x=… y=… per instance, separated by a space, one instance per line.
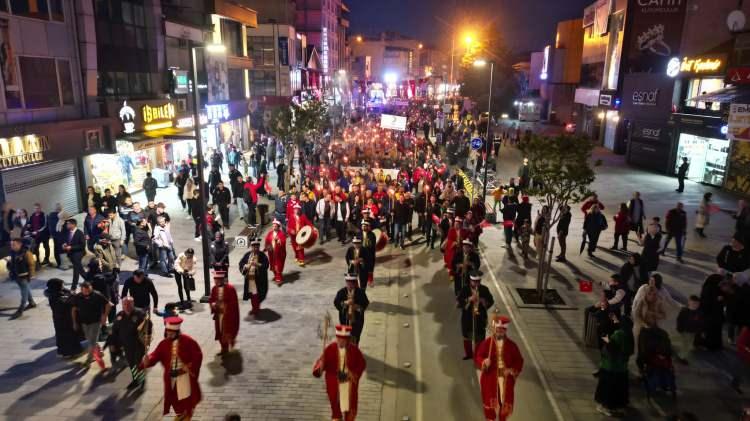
x=417 y=340
x=534 y=361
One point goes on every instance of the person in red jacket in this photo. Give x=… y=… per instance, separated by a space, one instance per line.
x=456 y=235
x=295 y=223
x=343 y=364
x=226 y=310
x=622 y=226
x=181 y=357
x=500 y=362
x=252 y=194
x=276 y=249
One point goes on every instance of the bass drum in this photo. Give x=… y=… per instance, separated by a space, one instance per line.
x=381 y=239
x=307 y=236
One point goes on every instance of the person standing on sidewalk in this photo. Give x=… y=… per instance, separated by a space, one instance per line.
x=165 y=244
x=637 y=214
x=222 y=198
x=179 y=181
x=250 y=196
x=703 y=214
x=61 y=304
x=236 y=181
x=184 y=276
x=39 y=228
x=676 y=223
x=75 y=246
x=225 y=308
x=117 y=232
x=131 y=336
x=343 y=364
x=622 y=227
x=21 y=268
x=181 y=357
x=612 y=390
x=55 y=227
x=90 y=309
x=142 y=243
x=593 y=225
x=326 y=213
x=92 y=227
x=500 y=363
x=474 y=300
x=141 y=288
x=149 y=186
x=682 y=174
x=563 y=224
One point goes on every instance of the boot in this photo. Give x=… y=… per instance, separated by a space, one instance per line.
x=255 y=302
x=468 y=354
x=370 y=279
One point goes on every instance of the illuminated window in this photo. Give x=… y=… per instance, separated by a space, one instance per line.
x=704 y=86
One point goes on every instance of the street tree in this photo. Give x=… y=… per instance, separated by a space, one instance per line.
x=562 y=170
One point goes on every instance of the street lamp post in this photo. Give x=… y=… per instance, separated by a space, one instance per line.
x=481 y=63
x=201 y=160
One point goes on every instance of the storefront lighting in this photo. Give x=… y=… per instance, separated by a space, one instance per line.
x=503 y=115
x=216 y=48
x=158 y=126
x=601 y=115
x=724 y=129
x=616 y=118
x=515 y=103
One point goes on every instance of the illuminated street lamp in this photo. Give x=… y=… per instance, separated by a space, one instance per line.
x=483 y=63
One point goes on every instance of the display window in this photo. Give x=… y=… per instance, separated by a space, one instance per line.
x=704 y=86
x=707 y=158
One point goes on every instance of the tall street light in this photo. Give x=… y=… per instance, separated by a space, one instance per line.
x=483 y=63
x=212 y=49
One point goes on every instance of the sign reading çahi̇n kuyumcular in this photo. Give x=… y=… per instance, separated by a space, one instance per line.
x=654 y=34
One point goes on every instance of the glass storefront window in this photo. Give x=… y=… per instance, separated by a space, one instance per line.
x=707 y=158
x=704 y=86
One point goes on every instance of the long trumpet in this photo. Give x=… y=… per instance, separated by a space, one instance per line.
x=350 y=315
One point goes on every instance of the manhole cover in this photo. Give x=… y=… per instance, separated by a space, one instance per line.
x=530 y=296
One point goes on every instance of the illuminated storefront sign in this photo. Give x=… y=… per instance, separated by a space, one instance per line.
x=127 y=116
x=217 y=112
x=22 y=150
x=696 y=66
x=158 y=117
x=188 y=122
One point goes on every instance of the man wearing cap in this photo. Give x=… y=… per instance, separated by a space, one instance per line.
x=131 y=336
x=369 y=245
x=343 y=364
x=456 y=235
x=500 y=362
x=276 y=249
x=295 y=223
x=465 y=261
x=181 y=357
x=474 y=300
x=356 y=262
x=254 y=267
x=226 y=310
x=351 y=302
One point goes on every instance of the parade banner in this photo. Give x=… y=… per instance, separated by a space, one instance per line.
x=393 y=122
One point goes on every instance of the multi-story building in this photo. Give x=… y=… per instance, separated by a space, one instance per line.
x=563 y=71
x=49 y=121
x=319 y=21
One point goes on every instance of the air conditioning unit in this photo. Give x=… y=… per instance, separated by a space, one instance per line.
x=182 y=105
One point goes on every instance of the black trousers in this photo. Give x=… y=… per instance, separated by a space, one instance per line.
x=681 y=184
x=341 y=230
x=75 y=260
x=562 y=240
x=39 y=243
x=182 y=281
x=224 y=213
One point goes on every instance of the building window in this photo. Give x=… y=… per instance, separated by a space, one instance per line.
x=66 y=82
x=262 y=50
x=231 y=35
x=236 y=80
x=56 y=11
x=39 y=79
x=704 y=86
x=36 y=9
x=262 y=82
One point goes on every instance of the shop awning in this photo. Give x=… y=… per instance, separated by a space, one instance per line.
x=149 y=139
x=728 y=95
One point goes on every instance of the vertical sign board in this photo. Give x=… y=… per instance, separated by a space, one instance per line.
x=739 y=123
x=654 y=29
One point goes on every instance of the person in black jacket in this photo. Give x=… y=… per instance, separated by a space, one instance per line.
x=351 y=302
x=630 y=270
x=74 y=245
x=61 y=303
x=734 y=258
x=523 y=213
x=141 y=288
x=562 y=232
x=593 y=225
x=222 y=198
x=142 y=242
x=433 y=214
x=400 y=219
x=676 y=225
x=461 y=203
x=637 y=214
x=509 y=211
x=474 y=300
x=682 y=174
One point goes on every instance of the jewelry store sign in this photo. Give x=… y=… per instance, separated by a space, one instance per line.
x=18 y=151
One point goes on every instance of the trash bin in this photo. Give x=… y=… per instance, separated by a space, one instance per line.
x=264 y=216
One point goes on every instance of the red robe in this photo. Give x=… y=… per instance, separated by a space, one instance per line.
x=293 y=226
x=228 y=326
x=355 y=365
x=290 y=206
x=452 y=244
x=191 y=356
x=276 y=250
x=488 y=380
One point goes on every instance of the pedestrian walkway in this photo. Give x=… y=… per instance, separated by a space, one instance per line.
x=556 y=335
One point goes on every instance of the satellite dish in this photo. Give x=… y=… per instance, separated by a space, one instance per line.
x=736 y=21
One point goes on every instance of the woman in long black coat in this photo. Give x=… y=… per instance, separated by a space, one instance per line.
x=651 y=242
x=60 y=301
x=712 y=307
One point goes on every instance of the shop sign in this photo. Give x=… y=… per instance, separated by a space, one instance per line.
x=655 y=34
x=695 y=66
x=648 y=133
x=181 y=82
x=161 y=115
x=127 y=116
x=217 y=112
x=22 y=150
x=188 y=122
x=605 y=100
x=646 y=98
x=738 y=127
x=738 y=75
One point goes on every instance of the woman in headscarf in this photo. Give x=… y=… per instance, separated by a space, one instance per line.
x=60 y=301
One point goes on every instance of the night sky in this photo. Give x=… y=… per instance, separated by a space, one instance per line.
x=527 y=25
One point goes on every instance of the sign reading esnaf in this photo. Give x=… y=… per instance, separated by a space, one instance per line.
x=393 y=122
x=738 y=125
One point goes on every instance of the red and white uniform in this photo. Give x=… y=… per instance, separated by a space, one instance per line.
x=276 y=249
x=183 y=354
x=294 y=224
x=226 y=310
x=343 y=395
x=498 y=382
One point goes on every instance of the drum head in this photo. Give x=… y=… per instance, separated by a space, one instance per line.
x=304 y=234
